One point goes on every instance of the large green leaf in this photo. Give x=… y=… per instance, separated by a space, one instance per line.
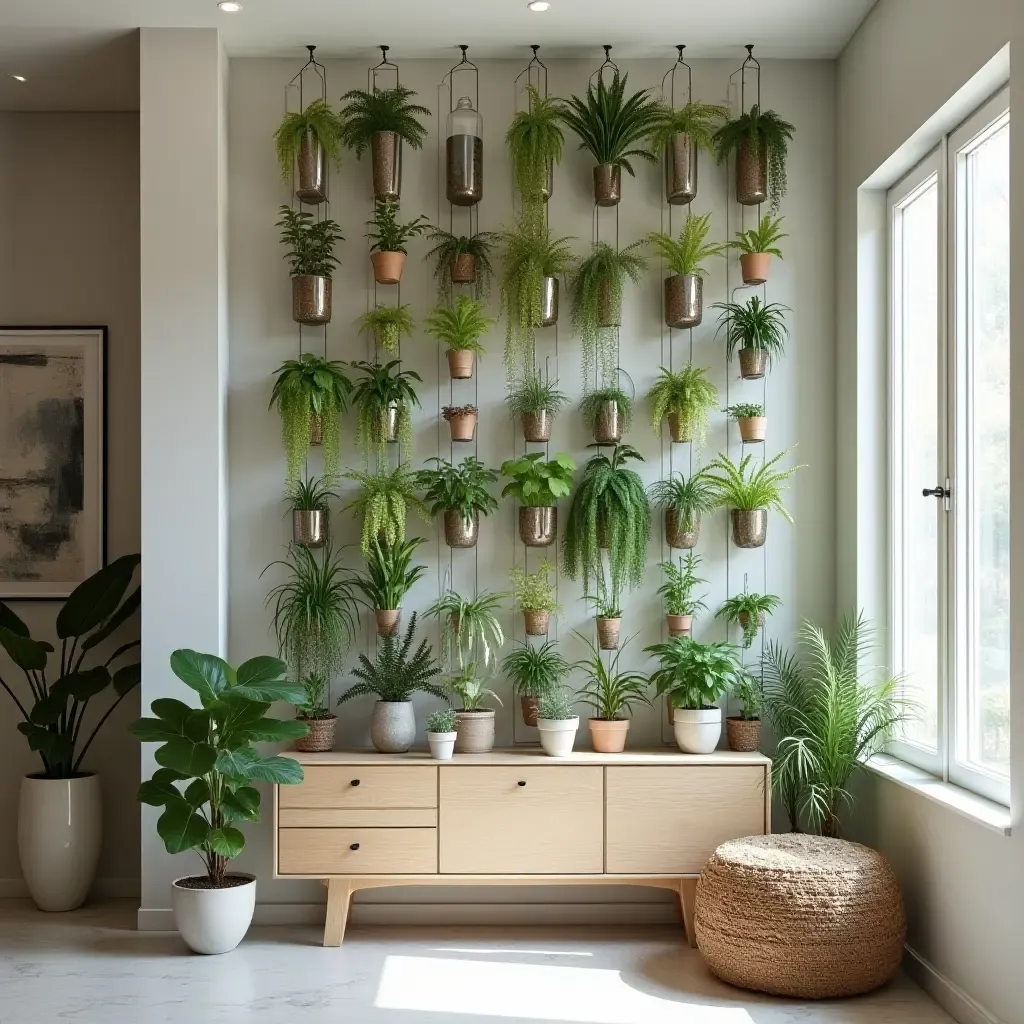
x=236 y=764
x=126 y=678
x=88 y=682
x=284 y=770
x=174 y=712
x=276 y=730
x=48 y=710
x=228 y=842
x=186 y=756
x=241 y=805
x=96 y=598
x=9 y=620
x=23 y=650
x=175 y=719
x=122 y=614
x=54 y=746
x=160 y=789
x=207 y=674
x=235 y=716
x=268 y=692
x=153 y=730
x=260 y=670
x=197 y=792
x=181 y=828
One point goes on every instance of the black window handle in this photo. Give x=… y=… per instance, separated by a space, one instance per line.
x=522 y=783
x=354 y=846
x=935 y=492
x=355 y=782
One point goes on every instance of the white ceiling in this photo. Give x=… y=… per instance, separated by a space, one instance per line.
x=76 y=53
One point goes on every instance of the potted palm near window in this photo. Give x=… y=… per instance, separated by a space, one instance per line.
x=311 y=394
x=441 y=733
x=384 y=397
x=607 y=412
x=537 y=484
x=308 y=500
x=460 y=328
x=685 y=398
x=612 y=128
x=611 y=693
x=462 y=259
x=534 y=595
x=309 y=138
x=388 y=238
x=387 y=324
x=312 y=262
x=677 y=591
x=385 y=499
x=743 y=731
x=313 y=712
x=556 y=723
x=535 y=144
x=758 y=329
x=389 y=576
x=394 y=676
x=748 y=610
x=534 y=400
x=757 y=246
x=680 y=135
x=684 y=500
x=750 y=492
x=750 y=418
x=760 y=139
x=380 y=120
x=461 y=493
x=684 y=259
x=534 y=672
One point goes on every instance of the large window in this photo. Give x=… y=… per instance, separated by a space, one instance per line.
x=949 y=469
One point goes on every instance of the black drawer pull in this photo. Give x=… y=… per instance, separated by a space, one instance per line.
x=522 y=783
x=354 y=846
x=354 y=782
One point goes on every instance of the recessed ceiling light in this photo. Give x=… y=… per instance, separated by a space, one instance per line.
x=18 y=78
x=229 y=6
x=538 y=5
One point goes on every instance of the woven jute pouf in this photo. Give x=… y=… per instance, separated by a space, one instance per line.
x=800 y=915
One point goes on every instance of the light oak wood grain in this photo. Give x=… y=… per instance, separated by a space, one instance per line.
x=662 y=756
x=363 y=786
x=329 y=851
x=329 y=817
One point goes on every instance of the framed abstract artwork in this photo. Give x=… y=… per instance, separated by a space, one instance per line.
x=52 y=459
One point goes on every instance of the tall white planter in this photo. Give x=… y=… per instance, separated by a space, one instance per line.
x=697 y=732
x=213 y=920
x=60 y=825
x=557 y=735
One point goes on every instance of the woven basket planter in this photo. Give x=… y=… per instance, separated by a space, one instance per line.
x=320 y=738
x=743 y=734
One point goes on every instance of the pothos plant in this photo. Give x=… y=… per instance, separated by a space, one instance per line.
x=387 y=497
x=537 y=482
x=379 y=391
x=749 y=610
x=464 y=488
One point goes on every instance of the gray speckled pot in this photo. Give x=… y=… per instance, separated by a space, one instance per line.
x=392 y=726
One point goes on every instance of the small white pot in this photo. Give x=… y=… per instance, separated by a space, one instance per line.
x=442 y=745
x=557 y=735
x=697 y=732
x=60 y=825
x=213 y=920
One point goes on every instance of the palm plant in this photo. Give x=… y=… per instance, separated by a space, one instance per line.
x=311 y=244
x=460 y=327
x=680 y=581
x=317 y=120
x=761 y=134
x=387 y=233
x=388 y=324
x=691 y=674
x=763 y=238
x=535 y=144
x=389 y=573
x=309 y=495
x=533 y=393
x=608 y=691
x=687 y=498
x=534 y=591
x=749 y=610
x=829 y=718
x=696 y=119
x=310 y=394
x=315 y=611
x=470 y=630
x=386 y=499
x=449 y=247
x=535 y=671
x=610 y=509
x=754 y=325
x=593 y=401
x=745 y=487
x=382 y=110
x=685 y=397
x=464 y=488
x=688 y=253
x=378 y=395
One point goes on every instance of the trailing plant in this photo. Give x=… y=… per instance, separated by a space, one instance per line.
x=610 y=504
x=313 y=704
x=470 y=689
x=387 y=233
x=762 y=130
x=689 y=497
x=448 y=246
x=536 y=482
x=535 y=671
x=534 y=591
x=535 y=144
x=309 y=495
x=377 y=392
x=306 y=387
x=369 y=111
x=315 y=611
x=696 y=119
x=317 y=120
x=598 y=280
x=748 y=691
x=688 y=253
x=763 y=238
x=746 y=487
x=386 y=499
x=460 y=327
x=555 y=706
x=211 y=749
x=592 y=402
x=464 y=488
x=686 y=394
x=610 y=125
x=680 y=581
x=610 y=692
x=389 y=574
x=830 y=718
x=749 y=610
x=443 y=720
x=693 y=675
x=53 y=713
x=394 y=675
x=470 y=630
x=754 y=324
x=311 y=243
x=744 y=410
x=387 y=324
x=532 y=393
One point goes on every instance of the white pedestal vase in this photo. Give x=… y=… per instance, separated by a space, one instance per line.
x=557 y=735
x=442 y=745
x=213 y=920
x=60 y=826
x=697 y=732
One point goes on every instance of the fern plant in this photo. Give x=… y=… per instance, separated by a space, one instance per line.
x=535 y=144
x=689 y=497
x=593 y=401
x=460 y=326
x=756 y=325
x=696 y=119
x=374 y=395
x=748 y=486
x=534 y=591
x=764 y=238
x=464 y=488
x=381 y=110
x=470 y=631
x=387 y=324
x=681 y=580
x=311 y=244
x=386 y=499
x=688 y=253
x=389 y=574
x=448 y=247
x=762 y=131
x=610 y=692
x=688 y=396
x=317 y=120
x=749 y=610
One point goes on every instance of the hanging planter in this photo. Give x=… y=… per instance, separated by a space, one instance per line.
x=538 y=526
x=751 y=173
x=684 y=257
x=760 y=140
x=749 y=527
x=464 y=154
x=609 y=306
x=684 y=500
x=306 y=141
x=751 y=420
x=387 y=324
x=675 y=535
x=749 y=491
x=460 y=363
x=757 y=247
x=535 y=144
x=316 y=430
x=607 y=184
x=460 y=532
x=462 y=268
x=758 y=329
x=537 y=622
x=548 y=302
x=538 y=484
x=460 y=327
x=607 y=412
x=679 y=135
x=535 y=400
x=384 y=397
x=463 y=260
x=753 y=363
x=389 y=238
x=676 y=591
x=387 y=266
x=311 y=299
x=461 y=493
x=686 y=399
x=387 y=620
x=312 y=166
x=462 y=420
x=309 y=527
x=679 y=625
x=537 y=425
x=680 y=169
x=608 y=629
x=312 y=261
x=386 y=166
x=684 y=301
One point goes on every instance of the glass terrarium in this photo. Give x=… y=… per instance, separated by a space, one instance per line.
x=465 y=155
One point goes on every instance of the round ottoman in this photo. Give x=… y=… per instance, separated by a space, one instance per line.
x=799 y=915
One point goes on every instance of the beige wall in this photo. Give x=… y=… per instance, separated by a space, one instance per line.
x=69 y=254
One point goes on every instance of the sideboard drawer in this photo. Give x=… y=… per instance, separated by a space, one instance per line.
x=359 y=786
x=530 y=820
x=356 y=851
x=668 y=821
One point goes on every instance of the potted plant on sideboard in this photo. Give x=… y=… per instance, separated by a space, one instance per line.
x=748 y=610
x=210 y=751
x=310 y=516
x=60 y=814
x=680 y=135
x=462 y=259
x=537 y=483
x=684 y=397
x=684 y=258
x=387 y=324
x=757 y=246
x=535 y=144
x=534 y=400
x=684 y=500
x=760 y=139
x=315 y=715
x=383 y=397
x=534 y=672
x=461 y=494
x=607 y=412
x=533 y=594
x=758 y=330
x=460 y=328
x=750 y=418
x=441 y=733
x=611 y=693
x=556 y=723
x=388 y=578
x=312 y=262
x=309 y=139
x=743 y=731
x=677 y=592
x=388 y=239
x=474 y=723
x=750 y=494
x=385 y=500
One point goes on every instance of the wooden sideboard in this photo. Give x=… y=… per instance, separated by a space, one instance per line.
x=362 y=820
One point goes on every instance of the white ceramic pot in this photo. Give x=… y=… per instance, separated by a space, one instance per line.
x=213 y=920
x=557 y=735
x=442 y=745
x=60 y=825
x=697 y=732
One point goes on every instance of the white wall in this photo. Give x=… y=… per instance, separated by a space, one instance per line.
x=963 y=884
x=69 y=229
x=799 y=560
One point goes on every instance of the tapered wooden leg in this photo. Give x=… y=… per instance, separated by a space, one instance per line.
x=339 y=896
x=687 y=896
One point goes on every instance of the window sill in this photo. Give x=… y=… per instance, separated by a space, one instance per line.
x=961 y=801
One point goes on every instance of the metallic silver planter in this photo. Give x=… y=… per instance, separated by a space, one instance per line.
x=753 y=363
x=386 y=161
x=464 y=170
x=537 y=425
x=311 y=299
x=675 y=535
x=457 y=532
x=538 y=526
x=312 y=171
x=609 y=312
x=309 y=527
x=548 y=188
x=680 y=169
x=608 y=424
x=607 y=184
x=548 y=302
x=391 y=423
x=751 y=174
x=749 y=527
x=684 y=300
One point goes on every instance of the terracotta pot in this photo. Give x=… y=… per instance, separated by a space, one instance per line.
x=460 y=363
x=311 y=299
x=680 y=170
x=609 y=312
x=679 y=625
x=309 y=527
x=537 y=622
x=475 y=732
x=749 y=527
x=607 y=184
x=752 y=428
x=312 y=186
x=608 y=633
x=538 y=525
x=387 y=266
x=537 y=425
x=316 y=429
x=684 y=300
x=458 y=533
x=387 y=620
x=548 y=302
x=743 y=735
x=320 y=738
x=753 y=363
x=609 y=735
x=463 y=268
x=677 y=537
x=678 y=430
x=751 y=173
x=754 y=267
x=608 y=424
x=386 y=163
x=463 y=426
x=529 y=706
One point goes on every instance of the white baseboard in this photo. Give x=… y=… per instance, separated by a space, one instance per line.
x=950 y=996
x=102 y=889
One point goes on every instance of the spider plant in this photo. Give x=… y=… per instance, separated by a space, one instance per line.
x=386 y=499
x=383 y=110
x=681 y=580
x=309 y=495
x=535 y=144
x=470 y=630
x=460 y=327
x=610 y=692
x=464 y=488
x=696 y=119
x=685 y=397
x=312 y=244
x=533 y=393
x=763 y=238
x=534 y=591
x=756 y=325
x=315 y=611
x=535 y=671
x=688 y=253
x=592 y=402
x=687 y=498
x=829 y=718
x=389 y=574
x=317 y=120
x=310 y=394
x=759 y=134
x=749 y=610
x=747 y=487
x=388 y=324
x=449 y=247
x=378 y=394
x=387 y=233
